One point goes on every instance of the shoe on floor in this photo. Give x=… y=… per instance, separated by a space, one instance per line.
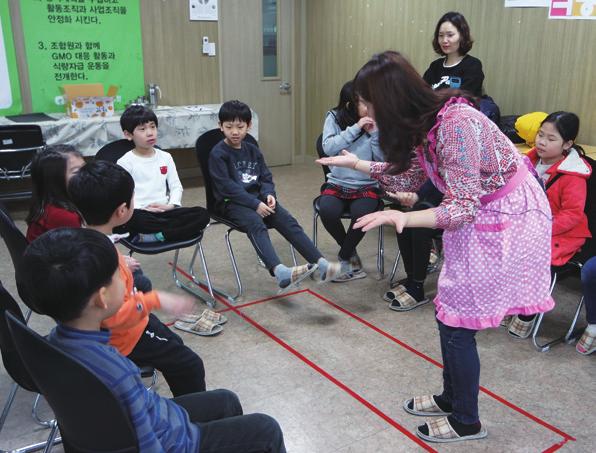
x=441 y=430
x=425 y=406
x=586 y=344
x=521 y=329
x=348 y=276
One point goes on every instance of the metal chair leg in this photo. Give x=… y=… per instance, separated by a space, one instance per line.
x=293 y=252
x=186 y=287
x=381 y=253
x=234 y=265
x=394 y=269
x=315 y=218
x=52 y=438
x=36 y=418
x=571 y=336
x=8 y=404
x=545 y=346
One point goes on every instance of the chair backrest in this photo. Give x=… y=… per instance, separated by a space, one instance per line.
x=16 y=243
x=203 y=147
x=321 y=153
x=90 y=417
x=115 y=150
x=18 y=144
x=11 y=359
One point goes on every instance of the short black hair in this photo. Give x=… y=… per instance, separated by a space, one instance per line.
x=459 y=21
x=136 y=115
x=98 y=189
x=63 y=267
x=235 y=110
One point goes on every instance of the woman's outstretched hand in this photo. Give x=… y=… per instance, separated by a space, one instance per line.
x=344 y=159
x=396 y=218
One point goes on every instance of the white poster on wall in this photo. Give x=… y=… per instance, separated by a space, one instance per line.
x=203 y=9
x=527 y=3
x=5 y=92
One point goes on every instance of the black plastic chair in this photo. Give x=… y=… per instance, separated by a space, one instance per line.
x=203 y=147
x=88 y=414
x=346 y=215
x=16 y=243
x=15 y=367
x=114 y=151
x=18 y=145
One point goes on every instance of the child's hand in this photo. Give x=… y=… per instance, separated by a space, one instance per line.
x=263 y=210
x=271 y=201
x=159 y=207
x=132 y=263
x=407 y=199
x=345 y=159
x=175 y=304
x=367 y=123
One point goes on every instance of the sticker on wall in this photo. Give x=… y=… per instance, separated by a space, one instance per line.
x=572 y=9
x=203 y=9
x=10 y=94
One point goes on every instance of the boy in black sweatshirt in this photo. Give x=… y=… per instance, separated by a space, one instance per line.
x=245 y=194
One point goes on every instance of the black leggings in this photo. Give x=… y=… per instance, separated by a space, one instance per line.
x=415 y=245
x=178 y=224
x=331 y=209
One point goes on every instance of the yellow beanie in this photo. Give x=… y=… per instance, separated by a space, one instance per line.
x=527 y=126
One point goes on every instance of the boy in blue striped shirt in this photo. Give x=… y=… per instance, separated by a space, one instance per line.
x=72 y=275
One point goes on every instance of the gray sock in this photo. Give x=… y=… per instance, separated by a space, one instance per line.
x=283 y=275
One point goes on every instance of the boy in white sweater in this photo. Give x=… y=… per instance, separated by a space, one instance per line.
x=158 y=190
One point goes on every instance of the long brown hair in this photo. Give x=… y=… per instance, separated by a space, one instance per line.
x=405 y=106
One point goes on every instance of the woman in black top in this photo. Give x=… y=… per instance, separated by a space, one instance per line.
x=455 y=69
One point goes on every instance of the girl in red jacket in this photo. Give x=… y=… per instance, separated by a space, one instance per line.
x=558 y=161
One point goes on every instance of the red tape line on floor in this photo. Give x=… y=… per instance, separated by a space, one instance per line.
x=317 y=368
x=493 y=395
x=434 y=362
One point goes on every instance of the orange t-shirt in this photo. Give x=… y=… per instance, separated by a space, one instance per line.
x=128 y=323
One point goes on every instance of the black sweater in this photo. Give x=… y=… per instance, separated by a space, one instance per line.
x=240 y=175
x=469 y=71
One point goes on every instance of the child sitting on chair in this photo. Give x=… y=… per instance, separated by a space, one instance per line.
x=102 y=192
x=51 y=207
x=158 y=191
x=245 y=194
x=74 y=276
x=558 y=161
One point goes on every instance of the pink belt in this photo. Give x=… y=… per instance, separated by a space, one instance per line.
x=512 y=184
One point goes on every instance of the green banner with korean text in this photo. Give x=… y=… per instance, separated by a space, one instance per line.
x=10 y=92
x=82 y=42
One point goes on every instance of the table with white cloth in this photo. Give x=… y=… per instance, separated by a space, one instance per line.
x=179 y=127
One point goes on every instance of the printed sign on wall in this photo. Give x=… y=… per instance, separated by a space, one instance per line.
x=572 y=9
x=10 y=93
x=82 y=42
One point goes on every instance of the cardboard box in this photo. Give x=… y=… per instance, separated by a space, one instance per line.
x=88 y=100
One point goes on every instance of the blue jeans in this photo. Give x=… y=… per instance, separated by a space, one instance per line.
x=256 y=228
x=589 y=289
x=461 y=372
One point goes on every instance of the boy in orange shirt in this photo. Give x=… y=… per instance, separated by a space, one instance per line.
x=103 y=194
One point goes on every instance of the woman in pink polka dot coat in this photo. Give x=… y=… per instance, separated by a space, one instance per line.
x=496 y=220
